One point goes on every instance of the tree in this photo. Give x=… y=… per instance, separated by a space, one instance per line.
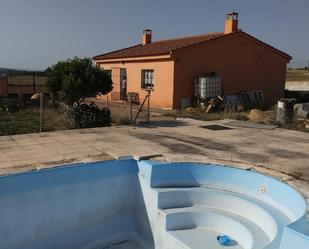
x=75 y=79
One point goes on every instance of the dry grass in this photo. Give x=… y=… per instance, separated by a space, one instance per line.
x=255 y=115
x=55 y=119
x=269 y=117
x=200 y=114
x=264 y=117
x=297 y=75
x=28 y=121
x=298 y=124
x=121 y=121
x=120 y=116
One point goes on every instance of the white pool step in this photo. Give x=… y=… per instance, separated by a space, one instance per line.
x=231 y=201
x=242 y=230
x=256 y=218
x=200 y=238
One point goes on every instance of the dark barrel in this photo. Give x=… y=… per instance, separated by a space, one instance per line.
x=285 y=111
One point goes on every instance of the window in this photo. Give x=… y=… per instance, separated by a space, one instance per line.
x=108 y=72
x=147 y=79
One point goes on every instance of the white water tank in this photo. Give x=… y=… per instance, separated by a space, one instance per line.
x=207 y=86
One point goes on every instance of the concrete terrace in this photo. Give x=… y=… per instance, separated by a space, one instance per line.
x=280 y=153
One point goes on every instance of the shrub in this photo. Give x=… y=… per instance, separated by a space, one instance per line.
x=89 y=115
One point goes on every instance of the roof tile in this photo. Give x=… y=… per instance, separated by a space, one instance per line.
x=158 y=47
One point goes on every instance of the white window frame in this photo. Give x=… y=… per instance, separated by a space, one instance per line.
x=147 y=78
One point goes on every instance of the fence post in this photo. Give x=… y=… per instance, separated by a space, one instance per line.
x=41 y=111
x=148 y=116
x=131 y=111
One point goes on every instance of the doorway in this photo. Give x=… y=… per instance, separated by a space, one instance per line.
x=123 y=83
x=118 y=76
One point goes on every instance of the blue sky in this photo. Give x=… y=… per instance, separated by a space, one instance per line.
x=37 y=33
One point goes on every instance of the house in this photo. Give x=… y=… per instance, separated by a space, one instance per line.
x=243 y=63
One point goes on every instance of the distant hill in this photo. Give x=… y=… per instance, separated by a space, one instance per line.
x=15 y=72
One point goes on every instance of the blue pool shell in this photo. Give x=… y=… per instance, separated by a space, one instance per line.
x=293 y=205
x=279 y=195
x=81 y=186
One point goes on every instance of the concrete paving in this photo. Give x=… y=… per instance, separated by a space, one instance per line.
x=280 y=153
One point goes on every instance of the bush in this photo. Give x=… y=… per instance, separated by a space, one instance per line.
x=89 y=115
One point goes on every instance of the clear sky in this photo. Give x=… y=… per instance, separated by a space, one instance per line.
x=37 y=33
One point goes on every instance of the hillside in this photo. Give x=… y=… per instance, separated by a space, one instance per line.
x=15 y=72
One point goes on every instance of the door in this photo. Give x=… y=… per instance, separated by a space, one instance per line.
x=123 y=83
x=115 y=95
x=118 y=75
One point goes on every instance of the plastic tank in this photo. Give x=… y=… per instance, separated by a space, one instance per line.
x=207 y=86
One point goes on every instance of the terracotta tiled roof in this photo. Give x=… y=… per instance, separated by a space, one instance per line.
x=158 y=47
x=166 y=46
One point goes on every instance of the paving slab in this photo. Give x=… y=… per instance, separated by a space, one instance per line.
x=280 y=153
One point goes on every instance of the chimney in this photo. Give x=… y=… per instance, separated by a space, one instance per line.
x=231 y=23
x=146 y=38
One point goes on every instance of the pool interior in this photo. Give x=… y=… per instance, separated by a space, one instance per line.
x=149 y=205
x=121 y=244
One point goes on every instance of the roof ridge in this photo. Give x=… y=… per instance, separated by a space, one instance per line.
x=99 y=55
x=189 y=37
x=210 y=39
x=194 y=39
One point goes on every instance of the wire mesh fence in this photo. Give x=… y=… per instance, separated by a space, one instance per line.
x=24 y=116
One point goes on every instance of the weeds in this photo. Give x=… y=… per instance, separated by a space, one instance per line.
x=199 y=113
x=28 y=121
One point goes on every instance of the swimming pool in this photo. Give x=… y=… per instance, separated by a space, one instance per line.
x=149 y=205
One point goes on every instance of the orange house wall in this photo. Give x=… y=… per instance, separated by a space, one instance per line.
x=162 y=96
x=242 y=64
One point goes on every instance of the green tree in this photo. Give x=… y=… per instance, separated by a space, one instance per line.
x=75 y=79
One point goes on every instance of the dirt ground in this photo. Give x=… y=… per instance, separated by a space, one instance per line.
x=27 y=121
x=255 y=115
